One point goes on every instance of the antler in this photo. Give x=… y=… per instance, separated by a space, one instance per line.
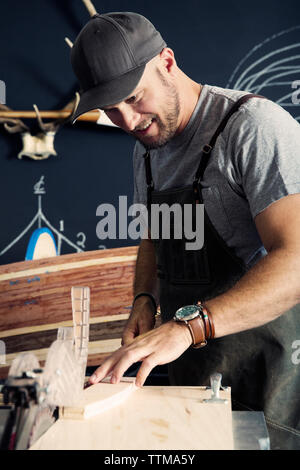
x=41 y=145
x=12 y=125
x=90 y=7
x=57 y=123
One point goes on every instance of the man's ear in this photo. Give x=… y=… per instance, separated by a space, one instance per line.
x=168 y=61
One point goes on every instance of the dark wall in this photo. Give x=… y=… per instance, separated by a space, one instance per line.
x=246 y=45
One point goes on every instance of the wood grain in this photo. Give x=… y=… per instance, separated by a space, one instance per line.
x=35 y=300
x=37 y=292
x=43 y=339
x=150 y=418
x=99 y=398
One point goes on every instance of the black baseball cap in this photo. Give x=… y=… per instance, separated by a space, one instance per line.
x=109 y=57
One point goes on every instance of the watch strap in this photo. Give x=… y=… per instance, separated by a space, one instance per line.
x=197 y=330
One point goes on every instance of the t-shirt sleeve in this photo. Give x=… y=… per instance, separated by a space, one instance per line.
x=264 y=146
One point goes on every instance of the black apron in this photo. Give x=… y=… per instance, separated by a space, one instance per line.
x=257 y=364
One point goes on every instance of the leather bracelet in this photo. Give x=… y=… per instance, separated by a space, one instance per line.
x=148 y=295
x=211 y=323
x=207 y=320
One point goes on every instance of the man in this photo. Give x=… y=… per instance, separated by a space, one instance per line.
x=236 y=300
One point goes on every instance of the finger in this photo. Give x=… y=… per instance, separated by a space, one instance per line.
x=99 y=375
x=130 y=333
x=130 y=357
x=128 y=337
x=105 y=369
x=147 y=365
x=145 y=327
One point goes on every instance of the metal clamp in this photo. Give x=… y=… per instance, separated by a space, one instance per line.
x=215 y=385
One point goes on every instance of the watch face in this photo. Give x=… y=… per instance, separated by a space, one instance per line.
x=188 y=312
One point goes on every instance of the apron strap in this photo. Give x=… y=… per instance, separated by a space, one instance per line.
x=149 y=180
x=206 y=151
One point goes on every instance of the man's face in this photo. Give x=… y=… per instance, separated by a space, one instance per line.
x=151 y=113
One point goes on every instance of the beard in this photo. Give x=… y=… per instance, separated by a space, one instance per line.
x=168 y=125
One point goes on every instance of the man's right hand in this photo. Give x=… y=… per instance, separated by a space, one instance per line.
x=141 y=320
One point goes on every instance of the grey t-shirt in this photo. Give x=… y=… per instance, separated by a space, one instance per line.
x=255 y=162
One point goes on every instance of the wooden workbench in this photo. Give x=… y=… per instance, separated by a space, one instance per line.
x=150 y=418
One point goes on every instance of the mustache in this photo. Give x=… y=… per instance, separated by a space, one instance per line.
x=144 y=122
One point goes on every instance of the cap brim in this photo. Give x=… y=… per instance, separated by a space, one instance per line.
x=109 y=93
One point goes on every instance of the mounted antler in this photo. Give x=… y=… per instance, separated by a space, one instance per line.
x=12 y=125
x=41 y=145
x=57 y=123
x=90 y=7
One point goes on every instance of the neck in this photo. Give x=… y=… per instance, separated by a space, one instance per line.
x=189 y=92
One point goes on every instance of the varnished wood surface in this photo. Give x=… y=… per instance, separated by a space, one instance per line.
x=39 y=291
x=43 y=339
x=35 y=300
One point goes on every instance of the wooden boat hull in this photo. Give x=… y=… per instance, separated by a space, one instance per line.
x=35 y=300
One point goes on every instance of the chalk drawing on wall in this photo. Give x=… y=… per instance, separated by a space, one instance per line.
x=41 y=220
x=272 y=69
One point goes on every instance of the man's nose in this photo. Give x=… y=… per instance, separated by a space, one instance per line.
x=130 y=118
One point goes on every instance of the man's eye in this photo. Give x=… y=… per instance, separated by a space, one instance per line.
x=111 y=110
x=132 y=99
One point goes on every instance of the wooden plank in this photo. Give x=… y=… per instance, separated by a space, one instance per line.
x=105 y=338
x=38 y=292
x=35 y=300
x=98 y=352
x=150 y=418
x=43 y=339
x=94 y=359
x=108 y=254
x=54 y=326
x=98 y=399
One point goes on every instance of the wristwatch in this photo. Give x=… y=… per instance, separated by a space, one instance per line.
x=191 y=315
